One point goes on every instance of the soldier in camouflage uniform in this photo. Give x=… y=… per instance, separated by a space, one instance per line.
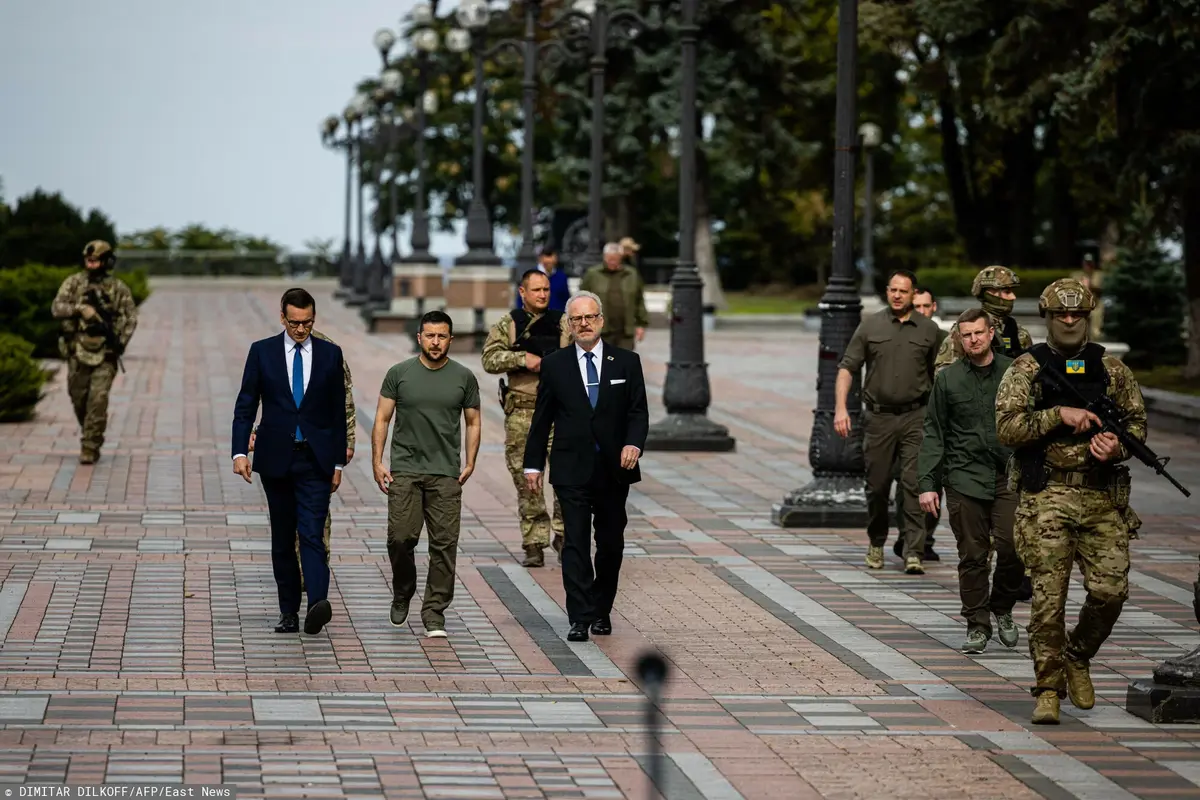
x=98 y=320
x=993 y=287
x=351 y=428
x=1074 y=493
x=515 y=346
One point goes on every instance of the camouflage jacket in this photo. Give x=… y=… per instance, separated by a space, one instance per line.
x=86 y=340
x=500 y=357
x=351 y=421
x=1018 y=425
x=952 y=349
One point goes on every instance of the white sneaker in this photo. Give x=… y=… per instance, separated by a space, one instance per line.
x=436 y=633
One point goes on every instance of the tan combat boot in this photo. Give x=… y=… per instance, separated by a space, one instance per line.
x=534 y=557
x=1079 y=684
x=88 y=455
x=913 y=566
x=875 y=557
x=1046 y=710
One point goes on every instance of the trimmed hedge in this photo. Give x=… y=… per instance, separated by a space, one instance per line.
x=21 y=379
x=956 y=281
x=26 y=294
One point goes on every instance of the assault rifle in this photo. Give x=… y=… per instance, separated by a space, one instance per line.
x=106 y=320
x=1112 y=420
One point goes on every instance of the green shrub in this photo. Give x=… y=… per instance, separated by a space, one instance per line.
x=21 y=379
x=26 y=294
x=138 y=283
x=956 y=281
x=25 y=297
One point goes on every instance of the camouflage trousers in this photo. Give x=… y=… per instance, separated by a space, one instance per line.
x=328 y=530
x=1055 y=528
x=89 y=388
x=536 y=523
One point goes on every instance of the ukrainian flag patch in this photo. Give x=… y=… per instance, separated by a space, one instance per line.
x=1075 y=366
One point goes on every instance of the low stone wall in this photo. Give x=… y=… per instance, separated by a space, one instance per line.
x=1172 y=412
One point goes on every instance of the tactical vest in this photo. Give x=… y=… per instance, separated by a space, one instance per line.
x=1008 y=339
x=541 y=338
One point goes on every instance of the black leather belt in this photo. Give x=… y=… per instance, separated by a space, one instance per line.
x=902 y=409
x=1088 y=480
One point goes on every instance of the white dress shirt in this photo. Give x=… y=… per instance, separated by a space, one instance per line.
x=581 y=359
x=289 y=354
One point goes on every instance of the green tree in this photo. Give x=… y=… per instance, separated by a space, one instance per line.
x=44 y=228
x=1147 y=291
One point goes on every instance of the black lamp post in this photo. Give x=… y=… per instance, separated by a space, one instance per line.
x=425 y=40
x=329 y=129
x=358 y=288
x=836 y=496
x=473 y=16
x=594 y=19
x=377 y=273
x=686 y=392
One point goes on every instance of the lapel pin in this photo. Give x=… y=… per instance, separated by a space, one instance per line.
x=610 y=358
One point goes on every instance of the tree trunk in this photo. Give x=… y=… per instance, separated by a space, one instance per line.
x=954 y=162
x=1020 y=172
x=706 y=254
x=1191 y=269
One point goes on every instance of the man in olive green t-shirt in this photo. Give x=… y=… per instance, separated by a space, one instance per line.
x=428 y=395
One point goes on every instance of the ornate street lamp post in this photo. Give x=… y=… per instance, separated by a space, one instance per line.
x=871 y=136
x=358 y=288
x=386 y=140
x=472 y=16
x=425 y=39
x=836 y=496
x=686 y=392
x=329 y=129
x=592 y=18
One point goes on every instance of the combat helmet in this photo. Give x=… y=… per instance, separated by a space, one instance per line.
x=994 y=277
x=1066 y=294
x=100 y=249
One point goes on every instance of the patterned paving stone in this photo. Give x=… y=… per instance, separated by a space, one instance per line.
x=136 y=601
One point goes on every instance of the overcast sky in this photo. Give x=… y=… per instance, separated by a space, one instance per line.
x=168 y=112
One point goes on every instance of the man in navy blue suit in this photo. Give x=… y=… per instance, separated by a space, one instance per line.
x=299 y=451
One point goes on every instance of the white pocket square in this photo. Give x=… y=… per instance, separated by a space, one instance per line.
x=616 y=381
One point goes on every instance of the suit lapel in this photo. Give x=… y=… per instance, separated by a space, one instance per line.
x=279 y=359
x=312 y=371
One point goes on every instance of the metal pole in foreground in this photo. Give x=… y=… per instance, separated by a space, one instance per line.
x=836 y=497
x=686 y=390
x=652 y=670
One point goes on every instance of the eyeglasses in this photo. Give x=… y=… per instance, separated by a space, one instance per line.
x=588 y=318
x=299 y=323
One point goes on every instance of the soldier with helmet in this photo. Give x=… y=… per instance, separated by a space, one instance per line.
x=515 y=347
x=98 y=319
x=1074 y=502
x=993 y=286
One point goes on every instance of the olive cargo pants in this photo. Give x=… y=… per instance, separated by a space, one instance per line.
x=436 y=501
x=888 y=438
x=979 y=525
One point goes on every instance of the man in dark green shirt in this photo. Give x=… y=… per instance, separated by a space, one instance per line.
x=961 y=454
x=897 y=346
x=428 y=395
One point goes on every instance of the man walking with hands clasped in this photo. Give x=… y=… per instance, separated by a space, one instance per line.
x=429 y=395
x=960 y=453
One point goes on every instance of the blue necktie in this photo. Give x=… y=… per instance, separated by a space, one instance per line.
x=593 y=380
x=298 y=385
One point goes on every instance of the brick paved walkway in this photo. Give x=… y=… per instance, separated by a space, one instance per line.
x=137 y=598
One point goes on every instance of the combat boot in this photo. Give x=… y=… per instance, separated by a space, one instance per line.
x=1079 y=684
x=1046 y=710
x=913 y=566
x=89 y=455
x=534 y=556
x=556 y=544
x=875 y=557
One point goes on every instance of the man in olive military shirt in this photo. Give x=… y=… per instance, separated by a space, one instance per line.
x=960 y=453
x=897 y=346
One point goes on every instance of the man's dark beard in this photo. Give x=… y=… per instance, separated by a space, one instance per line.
x=429 y=357
x=907 y=308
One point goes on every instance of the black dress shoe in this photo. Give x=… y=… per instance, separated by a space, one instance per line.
x=930 y=555
x=898 y=547
x=318 y=617
x=602 y=626
x=288 y=623
x=578 y=633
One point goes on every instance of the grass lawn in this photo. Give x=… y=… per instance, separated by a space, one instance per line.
x=790 y=300
x=1167 y=378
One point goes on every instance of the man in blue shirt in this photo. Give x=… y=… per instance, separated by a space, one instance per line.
x=560 y=290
